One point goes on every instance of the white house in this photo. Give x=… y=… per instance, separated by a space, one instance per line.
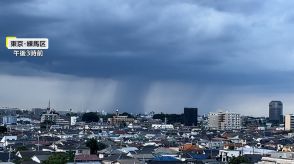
x=162 y=126
x=6 y=140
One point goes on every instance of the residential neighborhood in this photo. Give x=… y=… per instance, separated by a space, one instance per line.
x=49 y=136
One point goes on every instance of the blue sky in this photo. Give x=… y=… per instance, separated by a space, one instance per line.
x=150 y=55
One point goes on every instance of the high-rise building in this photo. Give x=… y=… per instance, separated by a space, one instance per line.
x=50 y=115
x=289 y=122
x=7 y=120
x=224 y=121
x=73 y=120
x=213 y=122
x=190 y=116
x=276 y=112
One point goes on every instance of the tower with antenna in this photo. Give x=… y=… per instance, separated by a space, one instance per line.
x=116 y=112
x=49 y=107
x=165 y=120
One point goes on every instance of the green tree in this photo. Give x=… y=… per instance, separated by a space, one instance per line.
x=106 y=117
x=90 y=117
x=123 y=124
x=3 y=129
x=127 y=114
x=238 y=160
x=94 y=145
x=231 y=147
x=21 y=160
x=60 y=158
x=21 y=148
x=46 y=124
x=171 y=118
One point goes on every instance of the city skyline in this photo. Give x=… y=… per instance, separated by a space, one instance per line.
x=271 y=115
x=150 y=55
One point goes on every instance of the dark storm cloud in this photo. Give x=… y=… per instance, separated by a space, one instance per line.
x=128 y=46
x=9 y=3
x=207 y=43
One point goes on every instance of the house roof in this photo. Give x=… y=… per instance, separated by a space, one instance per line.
x=146 y=150
x=128 y=161
x=112 y=157
x=116 y=157
x=163 y=150
x=187 y=147
x=42 y=157
x=143 y=156
x=84 y=157
x=198 y=156
x=30 y=154
x=128 y=149
x=165 y=158
x=254 y=158
x=5 y=155
x=29 y=162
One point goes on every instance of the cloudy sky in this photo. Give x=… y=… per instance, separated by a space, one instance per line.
x=150 y=55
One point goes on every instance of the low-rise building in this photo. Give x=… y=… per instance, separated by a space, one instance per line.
x=86 y=158
x=7 y=140
x=73 y=120
x=117 y=120
x=278 y=158
x=226 y=155
x=49 y=117
x=162 y=126
x=289 y=122
x=8 y=120
x=224 y=121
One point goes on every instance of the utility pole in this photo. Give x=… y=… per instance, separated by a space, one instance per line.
x=210 y=149
x=38 y=143
x=9 y=154
x=165 y=121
